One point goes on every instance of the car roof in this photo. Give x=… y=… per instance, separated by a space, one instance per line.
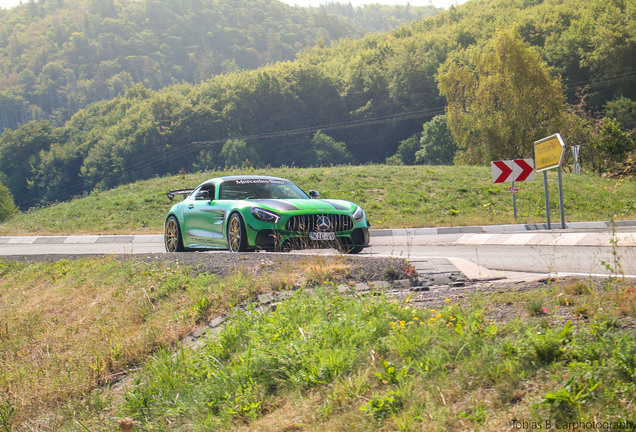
x=219 y=180
x=245 y=177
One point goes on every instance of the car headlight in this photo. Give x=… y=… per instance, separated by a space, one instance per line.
x=265 y=215
x=358 y=214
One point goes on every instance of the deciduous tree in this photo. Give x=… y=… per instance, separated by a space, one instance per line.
x=236 y=152
x=437 y=144
x=502 y=101
x=329 y=151
x=612 y=142
x=7 y=206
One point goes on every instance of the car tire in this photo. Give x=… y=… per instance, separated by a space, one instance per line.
x=172 y=236
x=354 y=250
x=236 y=234
x=351 y=250
x=345 y=248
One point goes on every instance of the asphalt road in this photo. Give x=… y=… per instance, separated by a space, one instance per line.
x=583 y=252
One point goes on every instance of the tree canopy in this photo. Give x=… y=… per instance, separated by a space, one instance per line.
x=59 y=56
x=502 y=101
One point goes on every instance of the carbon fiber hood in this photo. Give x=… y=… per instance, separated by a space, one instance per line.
x=312 y=205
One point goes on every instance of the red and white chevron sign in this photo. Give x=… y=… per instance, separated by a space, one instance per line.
x=515 y=170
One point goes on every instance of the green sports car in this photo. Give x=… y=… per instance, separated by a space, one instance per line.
x=246 y=213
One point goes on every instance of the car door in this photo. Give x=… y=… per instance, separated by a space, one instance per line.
x=203 y=220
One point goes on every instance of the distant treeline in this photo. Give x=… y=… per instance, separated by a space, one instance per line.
x=354 y=101
x=378 y=17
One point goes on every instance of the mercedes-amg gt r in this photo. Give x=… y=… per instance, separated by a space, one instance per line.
x=247 y=213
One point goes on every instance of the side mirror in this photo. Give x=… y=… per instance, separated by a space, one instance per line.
x=314 y=194
x=202 y=195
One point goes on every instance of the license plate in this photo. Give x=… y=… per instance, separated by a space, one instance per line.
x=322 y=236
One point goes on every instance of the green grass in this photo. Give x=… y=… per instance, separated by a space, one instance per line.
x=330 y=363
x=393 y=197
x=319 y=362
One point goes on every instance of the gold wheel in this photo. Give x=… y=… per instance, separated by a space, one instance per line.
x=235 y=234
x=172 y=236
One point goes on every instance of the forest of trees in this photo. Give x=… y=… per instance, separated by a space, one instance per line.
x=59 y=56
x=358 y=101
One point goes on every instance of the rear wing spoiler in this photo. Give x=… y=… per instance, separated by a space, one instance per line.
x=183 y=192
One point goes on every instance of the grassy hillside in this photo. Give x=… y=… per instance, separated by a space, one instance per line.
x=560 y=352
x=393 y=197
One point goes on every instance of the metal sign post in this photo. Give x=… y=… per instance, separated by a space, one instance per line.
x=547 y=198
x=514 y=199
x=561 y=207
x=512 y=171
x=548 y=154
x=575 y=154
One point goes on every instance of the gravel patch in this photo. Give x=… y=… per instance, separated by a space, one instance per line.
x=360 y=268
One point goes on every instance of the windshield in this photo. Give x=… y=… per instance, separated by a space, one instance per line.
x=260 y=189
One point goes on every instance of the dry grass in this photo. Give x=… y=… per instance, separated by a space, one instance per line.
x=626 y=301
x=289 y=415
x=71 y=326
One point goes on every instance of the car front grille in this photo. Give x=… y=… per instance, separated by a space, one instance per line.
x=310 y=223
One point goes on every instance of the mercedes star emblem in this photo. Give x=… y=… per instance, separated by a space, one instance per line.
x=323 y=223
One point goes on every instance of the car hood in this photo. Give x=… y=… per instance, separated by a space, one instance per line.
x=284 y=205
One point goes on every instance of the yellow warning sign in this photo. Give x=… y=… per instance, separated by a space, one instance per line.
x=548 y=152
